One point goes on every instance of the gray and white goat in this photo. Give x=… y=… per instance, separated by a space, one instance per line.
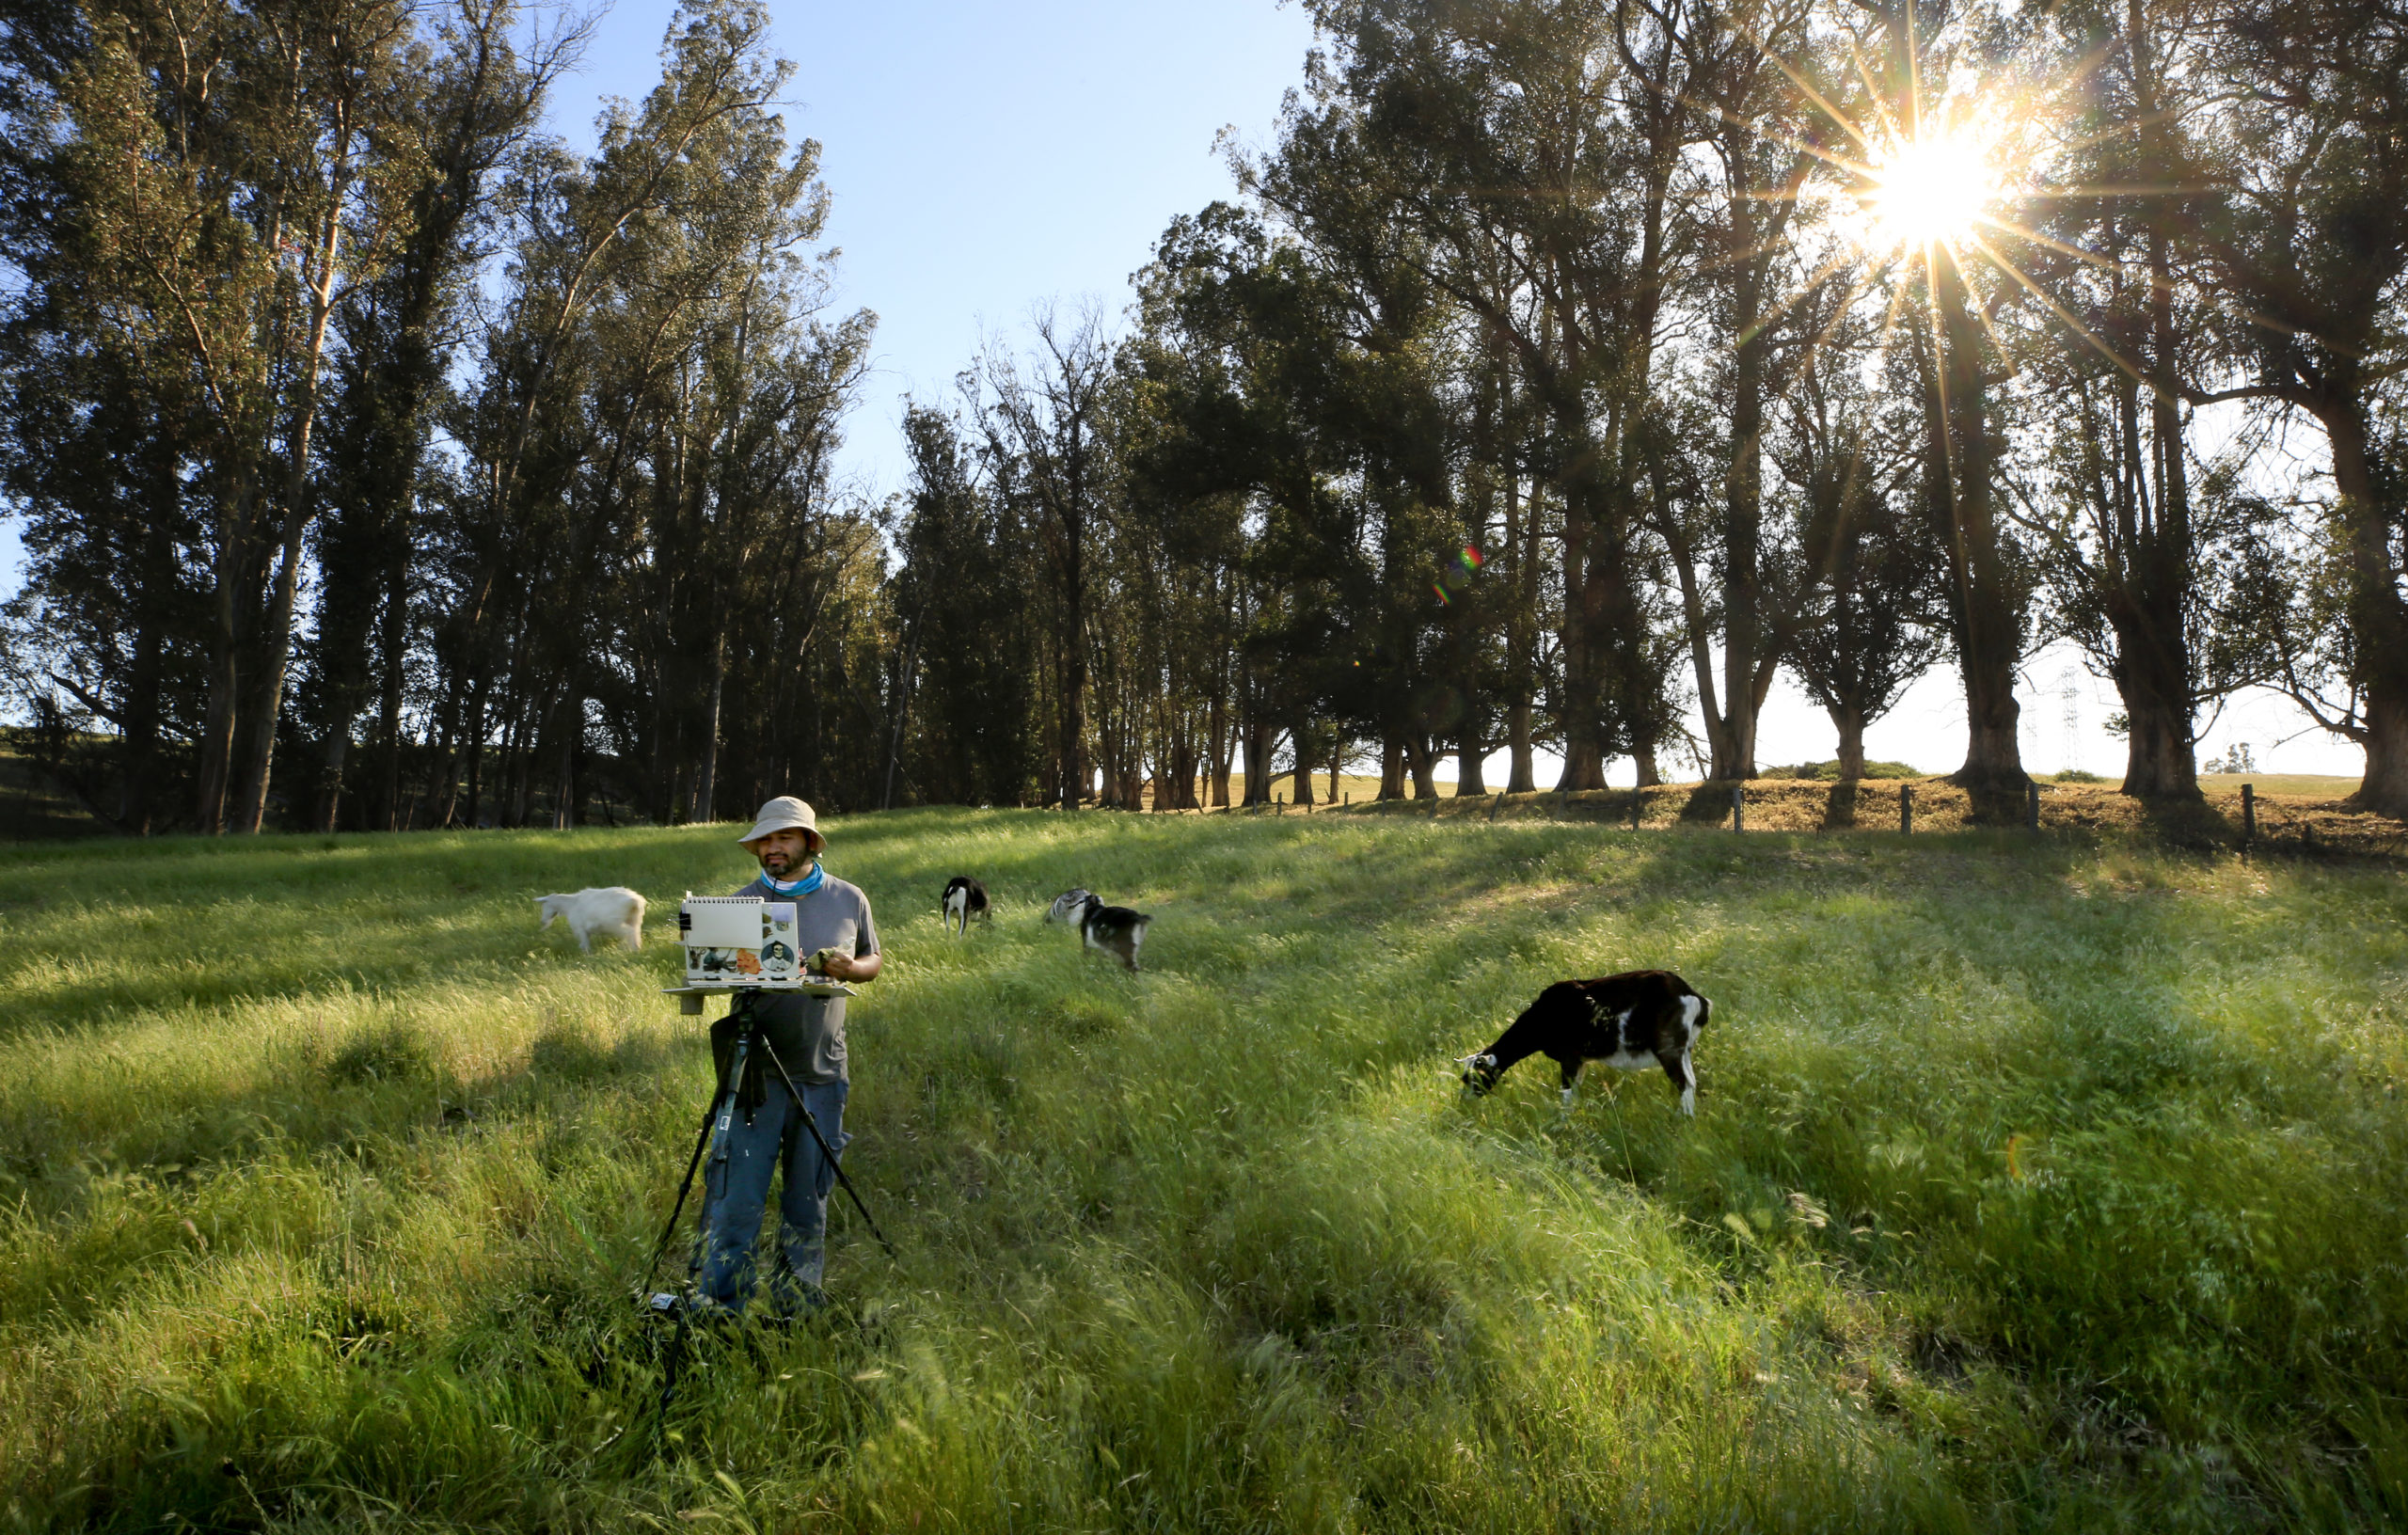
x=1114 y=929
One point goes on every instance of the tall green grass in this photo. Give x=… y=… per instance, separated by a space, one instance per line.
x=2031 y=1186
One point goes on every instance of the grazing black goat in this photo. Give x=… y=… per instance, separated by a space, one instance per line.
x=964 y=898
x=1631 y=1021
x=1114 y=928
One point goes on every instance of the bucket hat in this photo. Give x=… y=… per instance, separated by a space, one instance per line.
x=785 y=813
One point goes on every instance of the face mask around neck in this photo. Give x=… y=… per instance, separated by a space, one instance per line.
x=803 y=886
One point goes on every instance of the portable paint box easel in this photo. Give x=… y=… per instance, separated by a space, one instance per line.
x=743 y=944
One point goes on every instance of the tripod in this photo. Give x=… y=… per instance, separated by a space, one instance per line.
x=717 y=1123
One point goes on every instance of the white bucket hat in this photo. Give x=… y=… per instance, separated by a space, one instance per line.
x=785 y=813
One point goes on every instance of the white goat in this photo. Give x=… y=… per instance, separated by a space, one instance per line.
x=614 y=913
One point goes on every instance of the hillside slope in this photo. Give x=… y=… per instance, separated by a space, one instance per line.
x=2032 y=1186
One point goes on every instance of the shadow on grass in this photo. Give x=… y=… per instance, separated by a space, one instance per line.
x=1839 y=811
x=2186 y=823
x=1708 y=804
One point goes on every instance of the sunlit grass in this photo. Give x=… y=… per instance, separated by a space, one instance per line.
x=2032 y=1186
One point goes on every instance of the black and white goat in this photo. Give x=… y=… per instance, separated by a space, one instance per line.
x=1631 y=1021
x=964 y=898
x=1115 y=930
x=1066 y=906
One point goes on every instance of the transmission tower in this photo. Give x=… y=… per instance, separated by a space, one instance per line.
x=2069 y=688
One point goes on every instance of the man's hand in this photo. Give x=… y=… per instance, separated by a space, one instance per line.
x=839 y=966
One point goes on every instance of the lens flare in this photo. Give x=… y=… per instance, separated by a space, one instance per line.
x=1932 y=190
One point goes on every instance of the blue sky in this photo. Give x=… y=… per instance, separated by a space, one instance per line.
x=986 y=158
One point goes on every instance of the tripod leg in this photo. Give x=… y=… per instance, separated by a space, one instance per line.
x=673 y=1358
x=685 y=1187
x=722 y=1128
x=826 y=1151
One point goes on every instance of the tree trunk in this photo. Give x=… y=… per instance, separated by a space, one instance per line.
x=330 y=763
x=1988 y=626
x=216 y=744
x=1522 y=778
x=1584 y=639
x=2155 y=671
x=267 y=698
x=144 y=680
x=1701 y=649
x=2378 y=618
x=2386 y=787
x=1074 y=675
x=1216 y=741
x=393 y=648
x=141 y=743
x=1303 y=772
x=2160 y=761
x=1174 y=772
x=473 y=746
x=1391 y=769
x=1260 y=739
x=1743 y=536
x=707 y=770
x=1423 y=762
x=1471 y=758
x=571 y=737
x=1850 y=724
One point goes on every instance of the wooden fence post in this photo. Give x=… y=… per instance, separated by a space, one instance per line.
x=2032 y=814
x=1638 y=799
x=1738 y=807
x=2248 y=813
x=1906 y=808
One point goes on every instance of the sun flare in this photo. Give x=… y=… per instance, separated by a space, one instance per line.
x=1932 y=190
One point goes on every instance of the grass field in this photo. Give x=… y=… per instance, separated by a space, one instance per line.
x=2036 y=1185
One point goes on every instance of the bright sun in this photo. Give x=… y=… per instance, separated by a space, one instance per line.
x=1931 y=191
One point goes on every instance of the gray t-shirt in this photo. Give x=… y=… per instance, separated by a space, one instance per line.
x=807 y=1032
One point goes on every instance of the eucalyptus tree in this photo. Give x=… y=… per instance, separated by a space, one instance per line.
x=1324 y=392
x=1049 y=439
x=1544 y=138
x=1763 y=132
x=1912 y=51
x=649 y=439
x=2116 y=526
x=474 y=101
x=2305 y=236
x=1194 y=534
x=1375 y=364
x=1849 y=448
x=215 y=185
x=1220 y=428
x=1218 y=456
x=961 y=596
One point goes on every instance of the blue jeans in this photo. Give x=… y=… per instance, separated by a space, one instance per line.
x=736 y=1188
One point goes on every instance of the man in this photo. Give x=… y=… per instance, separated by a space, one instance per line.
x=806 y=1035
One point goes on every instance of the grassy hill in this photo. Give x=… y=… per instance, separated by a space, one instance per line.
x=2033 y=1185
